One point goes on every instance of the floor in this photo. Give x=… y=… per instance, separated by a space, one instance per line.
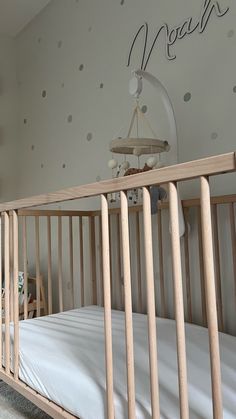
x=14 y=406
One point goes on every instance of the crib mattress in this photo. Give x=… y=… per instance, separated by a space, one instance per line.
x=62 y=357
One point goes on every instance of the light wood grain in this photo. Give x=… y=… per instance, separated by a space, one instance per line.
x=179 y=303
x=118 y=261
x=37 y=264
x=49 y=244
x=71 y=257
x=92 y=241
x=233 y=242
x=101 y=261
x=16 y=295
x=187 y=266
x=7 y=291
x=128 y=306
x=211 y=298
x=152 y=338
x=161 y=263
x=60 y=281
x=25 y=264
x=138 y=259
x=217 y=268
x=81 y=249
x=224 y=163
x=107 y=307
x=201 y=267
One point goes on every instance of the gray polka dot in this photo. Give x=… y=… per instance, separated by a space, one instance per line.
x=42 y=166
x=63 y=166
x=62 y=85
x=234 y=89
x=25 y=121
x=39 y=40
x=144 y=108
x=69 y=118
x=89 y=136
x=187 y=97
x=98 y=178
x=81 y=67
x=44 y=93
x=230 y=34
x=214 y=136
x=122 y=2
x=101 y=85
x=32 y=147
x=59 y=44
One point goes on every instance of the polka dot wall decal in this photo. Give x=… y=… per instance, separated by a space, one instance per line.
x=25 y=121
x=59 y=44
x=63 y=166
x=230 y=34
x=81 y=67
x=122 y=2
x=234 y=89
x=98 y=178
x=39 y=40
x=62 y=85
x=89 y=136
x=42 y=166
x=101 y=85
x=32 y=147
x=69 y=118
x=214 y=136
x=44 y=93
x=187 y=97
x=144 y=108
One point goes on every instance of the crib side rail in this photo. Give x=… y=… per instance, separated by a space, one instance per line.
x=201 y=170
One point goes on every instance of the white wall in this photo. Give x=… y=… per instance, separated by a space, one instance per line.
x=8 y=119
x=97 y=35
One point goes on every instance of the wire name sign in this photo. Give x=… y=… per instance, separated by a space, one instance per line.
x=172 y=34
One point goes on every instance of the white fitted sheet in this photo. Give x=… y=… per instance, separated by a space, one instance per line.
x=62 y=357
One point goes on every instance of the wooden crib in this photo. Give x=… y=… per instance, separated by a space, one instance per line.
x=110 y=281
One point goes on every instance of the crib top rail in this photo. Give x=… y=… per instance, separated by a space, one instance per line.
x=209 y=166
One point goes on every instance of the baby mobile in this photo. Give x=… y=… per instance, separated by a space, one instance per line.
x=136 y=144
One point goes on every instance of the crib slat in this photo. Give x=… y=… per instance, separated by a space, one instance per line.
x=233 y=242
x=71 y=247
x=118 y=258
x=7 y=291
x=49 y=243
x=161 y=263
x=202 y=279
x=16 y=295
x=60 y=284
x=11 y=267
x=128 y=305
x=1 y=284
x=81 y=249
x=37 y=265
x=138 y=258
x=100 y=264
x=187 y=266
x=111 y=264
x=148 y=248
x=211 y=298
x=179 y=303
x=217 y=268
x=25 y=266
x=93 y=258
x=107 y=307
